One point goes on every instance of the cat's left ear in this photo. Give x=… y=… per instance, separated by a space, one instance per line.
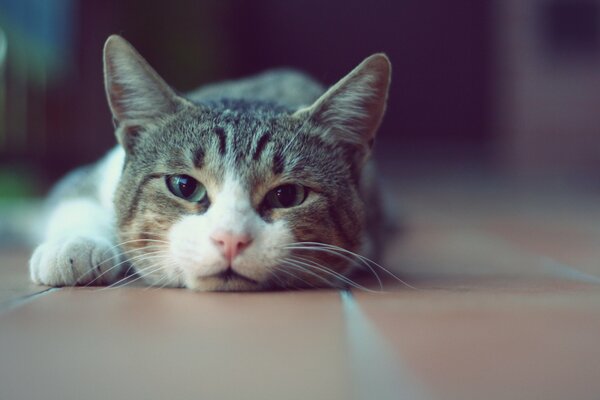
x=351 y=110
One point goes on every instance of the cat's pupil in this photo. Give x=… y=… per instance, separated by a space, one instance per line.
x=187 y=185
x=286 y=195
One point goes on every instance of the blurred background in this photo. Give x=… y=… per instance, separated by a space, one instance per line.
x=509 y=88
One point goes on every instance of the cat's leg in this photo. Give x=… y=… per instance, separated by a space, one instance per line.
x=79 y=248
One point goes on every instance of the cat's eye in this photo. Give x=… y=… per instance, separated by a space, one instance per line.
x=286 y=196
x=186 y=187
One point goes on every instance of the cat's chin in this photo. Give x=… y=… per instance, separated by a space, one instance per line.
x=220 y=284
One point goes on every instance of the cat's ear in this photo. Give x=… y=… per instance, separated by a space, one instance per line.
x=352 y=109
x=136 y=94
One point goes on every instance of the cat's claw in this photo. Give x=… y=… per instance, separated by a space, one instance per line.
x=75 y=261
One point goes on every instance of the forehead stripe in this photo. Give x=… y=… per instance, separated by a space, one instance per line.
x=220 y=132
x=199 y=158
x=278 y=164
x=133 y=204
x=260 y=146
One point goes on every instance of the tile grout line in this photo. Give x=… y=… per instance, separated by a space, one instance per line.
x=549 y=265
x=567 y=271
x=14 y=303
x=390 y=380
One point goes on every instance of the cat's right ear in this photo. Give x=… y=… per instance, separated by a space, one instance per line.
x=136 y=94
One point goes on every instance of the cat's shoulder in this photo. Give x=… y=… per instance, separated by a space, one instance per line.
x=97 y=181
x=287 y=87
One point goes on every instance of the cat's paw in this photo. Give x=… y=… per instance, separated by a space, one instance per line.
x=75 y=261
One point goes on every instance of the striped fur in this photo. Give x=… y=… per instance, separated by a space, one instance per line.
x=241 y=140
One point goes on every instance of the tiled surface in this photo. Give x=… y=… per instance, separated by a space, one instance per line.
x=14 y=278
x=160 y=344
x=495 y=342
x=505 y=305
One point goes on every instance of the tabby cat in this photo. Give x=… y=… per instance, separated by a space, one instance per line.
x=261 y=183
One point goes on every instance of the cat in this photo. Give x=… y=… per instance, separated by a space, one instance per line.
x=261 y=183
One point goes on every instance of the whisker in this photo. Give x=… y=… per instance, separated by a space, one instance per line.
x=298 y=131
x=346 y=258
x=280 y=283
x=298 y=267
x=142 y=240
x=142 y=273
x=166 y=278
x=132 y=266
x=350 y=260
x=338 y=276
x=142 y=232
x=322 y=246
x=130 y=260
x=118 y=256
x=120 y=244
x=294 y=276
x=132 y=251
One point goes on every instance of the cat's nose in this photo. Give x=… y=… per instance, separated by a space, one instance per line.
x=230 y=244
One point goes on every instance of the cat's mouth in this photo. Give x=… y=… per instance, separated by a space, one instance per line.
x=226 y=280
x=230 y=275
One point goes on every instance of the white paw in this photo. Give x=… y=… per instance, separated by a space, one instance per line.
x=75 y=261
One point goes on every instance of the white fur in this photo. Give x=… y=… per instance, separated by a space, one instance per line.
x=79 y=238
x=74 y=260
x=78 y=246
x=199 y=257
x=110 y=174
x=79 y=234
x=79 y=217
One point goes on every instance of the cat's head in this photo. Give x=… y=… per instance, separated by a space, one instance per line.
x=238 y=195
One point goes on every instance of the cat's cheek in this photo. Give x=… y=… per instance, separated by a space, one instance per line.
x=167 y=278
x=191 y=250
x=196 y=257
x=262 y=259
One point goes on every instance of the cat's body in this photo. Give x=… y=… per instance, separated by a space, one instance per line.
x=245 y=185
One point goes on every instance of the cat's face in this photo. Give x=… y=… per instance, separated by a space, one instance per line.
x=239 y=191
x=237 y=196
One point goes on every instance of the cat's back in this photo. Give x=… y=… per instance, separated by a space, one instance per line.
x=286 y=87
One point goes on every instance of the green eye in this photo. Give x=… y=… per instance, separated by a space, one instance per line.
x=286 y=196
x=186 y=187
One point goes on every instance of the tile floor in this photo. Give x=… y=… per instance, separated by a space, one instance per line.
x=506 y=305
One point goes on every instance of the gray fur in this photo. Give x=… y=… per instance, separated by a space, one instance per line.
x=281 y=86
x=275 y=127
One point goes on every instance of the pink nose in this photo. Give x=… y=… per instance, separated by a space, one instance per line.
x=231 y=245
